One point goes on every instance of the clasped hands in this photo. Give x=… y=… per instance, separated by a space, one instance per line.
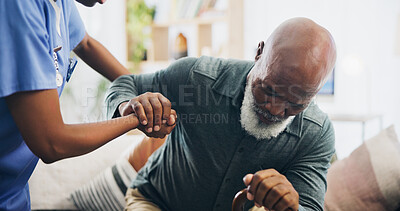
x=154 y=112
x=272 y=190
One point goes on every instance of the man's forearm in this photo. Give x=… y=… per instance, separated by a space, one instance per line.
x=122 y=90
x=166 y=82
x=100 y=59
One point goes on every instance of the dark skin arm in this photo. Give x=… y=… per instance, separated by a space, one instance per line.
x=139 y=155
x=148 y=106
x=272 y=190
x=38 y=117
x=37 y=114
x=153 y=111
x=99 y=58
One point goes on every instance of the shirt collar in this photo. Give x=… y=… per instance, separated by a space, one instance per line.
x=232 y=82
x=295 y=127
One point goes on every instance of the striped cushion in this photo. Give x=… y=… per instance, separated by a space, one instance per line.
x=369 y=179
x=107 y=190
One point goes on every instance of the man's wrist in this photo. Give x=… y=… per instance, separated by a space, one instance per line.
x=120 y=107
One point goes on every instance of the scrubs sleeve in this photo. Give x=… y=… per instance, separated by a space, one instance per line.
x=76 y=27
x=26 y=62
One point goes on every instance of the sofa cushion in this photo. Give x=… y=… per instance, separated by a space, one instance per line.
x=369 y=179
x=107 y=190
x=51 y=184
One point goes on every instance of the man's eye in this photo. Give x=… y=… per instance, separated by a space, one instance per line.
x=271 y=94
x=298 y=106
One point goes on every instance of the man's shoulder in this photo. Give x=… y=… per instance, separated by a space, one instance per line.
x=213 y=67
x=315 y=115
x=184 y=62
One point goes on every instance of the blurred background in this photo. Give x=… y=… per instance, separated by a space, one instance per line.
x=147 y=35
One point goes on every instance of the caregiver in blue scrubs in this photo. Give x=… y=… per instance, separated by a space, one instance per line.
x=36 y=38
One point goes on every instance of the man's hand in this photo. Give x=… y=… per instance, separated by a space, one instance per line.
x=153 y=110
x=272 y=190
x=165 y=128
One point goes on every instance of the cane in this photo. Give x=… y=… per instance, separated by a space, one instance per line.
x=239 y=200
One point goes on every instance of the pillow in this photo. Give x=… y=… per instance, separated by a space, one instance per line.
x=369 y=179
x=51 y=185
x=107 y=190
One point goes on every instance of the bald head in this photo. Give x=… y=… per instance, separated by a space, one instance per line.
x=291 y=66
x=300 y=47
x=305 y=44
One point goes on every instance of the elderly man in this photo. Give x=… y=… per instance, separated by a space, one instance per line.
x=236 y=119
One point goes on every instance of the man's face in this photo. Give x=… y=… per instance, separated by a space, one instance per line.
x=278 y=91
x=274 y=94
x=90 y=3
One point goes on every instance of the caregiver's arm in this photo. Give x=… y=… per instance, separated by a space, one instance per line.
x=37 y=115
x=99 y=58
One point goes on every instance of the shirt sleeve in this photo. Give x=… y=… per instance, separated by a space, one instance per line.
x=25 y=58
x=75 y=26
x=308 y=174
x=167 y=82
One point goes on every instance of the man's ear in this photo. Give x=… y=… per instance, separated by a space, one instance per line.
x=260 y=49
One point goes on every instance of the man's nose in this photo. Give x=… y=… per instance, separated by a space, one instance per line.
x=276 y=108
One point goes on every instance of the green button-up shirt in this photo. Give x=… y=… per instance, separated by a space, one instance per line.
x=203 y=161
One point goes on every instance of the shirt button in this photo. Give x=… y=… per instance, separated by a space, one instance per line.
x=241 y=149
x=227 y=180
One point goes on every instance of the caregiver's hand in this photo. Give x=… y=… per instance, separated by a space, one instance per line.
x=152 y=109
x=272 y=190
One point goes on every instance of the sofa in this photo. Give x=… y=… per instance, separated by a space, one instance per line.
x=368 y=179
x=51 y=185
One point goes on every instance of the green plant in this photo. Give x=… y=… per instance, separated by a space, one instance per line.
x=139 y=16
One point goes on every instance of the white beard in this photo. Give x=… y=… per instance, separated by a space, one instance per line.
x=253 y=125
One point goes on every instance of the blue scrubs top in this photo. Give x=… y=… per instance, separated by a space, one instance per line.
x=29 y=31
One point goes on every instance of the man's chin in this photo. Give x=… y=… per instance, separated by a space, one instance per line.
x=257 y=125
x=265 y=120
